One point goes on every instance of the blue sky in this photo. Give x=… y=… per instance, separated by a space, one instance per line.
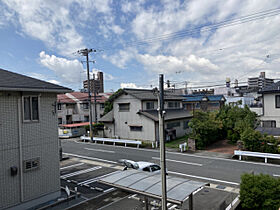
x=137 y=40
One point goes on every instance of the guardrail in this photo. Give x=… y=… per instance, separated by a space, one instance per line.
x=256 y=154
x=114 y=141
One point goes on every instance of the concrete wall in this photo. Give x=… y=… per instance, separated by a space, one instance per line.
x=39 y=140
x=270 y=110
x=123 y=120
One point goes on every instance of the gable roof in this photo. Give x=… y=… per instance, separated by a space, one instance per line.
x=10 y=81
x=170 y=114
x=199 y=97
x=82 y=97
x=274 y=88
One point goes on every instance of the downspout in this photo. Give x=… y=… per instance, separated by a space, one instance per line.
x=20 y=150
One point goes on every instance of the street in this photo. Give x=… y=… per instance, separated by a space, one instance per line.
x=208 y=169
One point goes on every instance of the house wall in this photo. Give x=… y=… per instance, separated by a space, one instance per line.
x=123 y=120
x=270 y=110
x=180 y=130
x=39 y=140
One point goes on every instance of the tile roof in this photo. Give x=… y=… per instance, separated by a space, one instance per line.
x=274 y=88
x=170 y=114
x=107 y=117
x=199 y=97
x=148 y=94
x=82 y=97
x=10 y=81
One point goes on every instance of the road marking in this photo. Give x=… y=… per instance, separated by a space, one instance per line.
x=184 y=154
x=178 y=161
x=80 y=172
x=89 y=181
x=276 y=175
x=232 y=203
x=173 y=207
x=100 y=150
x=78 y=164
x=90 y=158
x=204 y=178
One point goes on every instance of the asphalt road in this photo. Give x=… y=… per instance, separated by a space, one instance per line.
x=207 y=169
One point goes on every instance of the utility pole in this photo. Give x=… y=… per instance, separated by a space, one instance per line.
x=85 y=52
x=162 y=143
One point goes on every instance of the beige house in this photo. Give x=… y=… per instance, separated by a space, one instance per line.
x=135 y=116
x=29 y=149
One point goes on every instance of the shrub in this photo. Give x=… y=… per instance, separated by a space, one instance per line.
x=259 y=192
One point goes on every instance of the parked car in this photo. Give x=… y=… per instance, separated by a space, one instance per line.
x=141 y=165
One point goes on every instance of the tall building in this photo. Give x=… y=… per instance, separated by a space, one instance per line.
x=259 y=82
x=96 y=84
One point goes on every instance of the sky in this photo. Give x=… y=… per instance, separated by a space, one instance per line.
x=194 y=43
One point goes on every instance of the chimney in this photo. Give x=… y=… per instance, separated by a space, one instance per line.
x=236 y=83
x=227 y=82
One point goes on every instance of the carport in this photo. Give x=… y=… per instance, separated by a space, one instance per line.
x=148 y=185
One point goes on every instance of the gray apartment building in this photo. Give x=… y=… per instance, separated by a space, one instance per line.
x=259 y=82
x=29 y=148
x=96 y=84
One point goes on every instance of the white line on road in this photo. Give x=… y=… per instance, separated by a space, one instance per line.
x=204 y=178
x=185 y=154
x=100 y=150
x=80 y=172
x=90 y=158
x=78 y=164
x=89 y=181
x=178 y=161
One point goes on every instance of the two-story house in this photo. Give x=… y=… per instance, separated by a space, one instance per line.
x=74 y=107
x=271 y=106
x=29 y=148
x=135 y=116
x=203 y=102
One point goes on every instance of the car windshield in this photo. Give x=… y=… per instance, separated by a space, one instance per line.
x=131 y=164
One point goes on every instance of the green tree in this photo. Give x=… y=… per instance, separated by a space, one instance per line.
x=206 y=128
x=259 y=192
x=108 y=106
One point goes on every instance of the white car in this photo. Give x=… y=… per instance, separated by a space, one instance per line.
x=141 y=165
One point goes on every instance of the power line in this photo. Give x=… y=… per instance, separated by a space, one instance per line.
x=226 y=23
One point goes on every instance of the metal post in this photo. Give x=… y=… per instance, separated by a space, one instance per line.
x=162 y=143
x=191 y=201
x=89 y=98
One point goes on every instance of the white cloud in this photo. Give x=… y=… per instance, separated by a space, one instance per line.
x=69 y=71
x=121 y=58
x=132 y=85
x=172 y=64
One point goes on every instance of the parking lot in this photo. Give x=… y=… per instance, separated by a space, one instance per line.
x=82 y=175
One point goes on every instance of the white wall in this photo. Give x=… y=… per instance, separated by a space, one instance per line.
x=270 y=110
x=123 y=120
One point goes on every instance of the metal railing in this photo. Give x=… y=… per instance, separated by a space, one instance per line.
x=114 y=141
x=256 y=154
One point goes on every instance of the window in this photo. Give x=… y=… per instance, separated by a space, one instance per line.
x=135 y=128
x=197 y=105
x=31 y=108
x=31 y=164
x=59 y=106
x=173 y=104
x=172 y=125
x=85 y=105
x=102 y=106
x=186 y=124
x=155 y=168
x=150 y=105
x=59 y=121
x=269 y=124
x=124 y=107
x=146 y=169
x=86 y=118
x=277 y=101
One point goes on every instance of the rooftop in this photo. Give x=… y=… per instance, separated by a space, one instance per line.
x=196 y=97
x=273 y=88
x=10 y=81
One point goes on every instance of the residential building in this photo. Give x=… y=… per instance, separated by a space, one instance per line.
x=271 y=106
x=74 y=107
x=135 y=116
x=259 y=82
x=203 y=102
x=96 y=84
x=29 y=148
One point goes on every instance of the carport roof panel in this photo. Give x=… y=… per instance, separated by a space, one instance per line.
x=149 y=184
